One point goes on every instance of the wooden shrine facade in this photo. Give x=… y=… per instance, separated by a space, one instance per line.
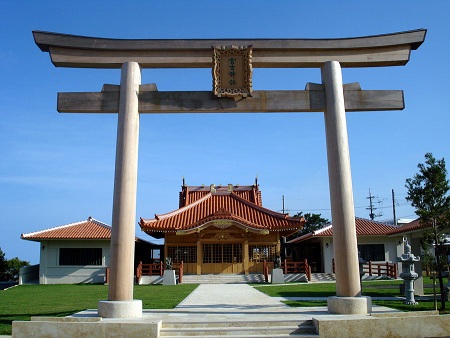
x=221 y=229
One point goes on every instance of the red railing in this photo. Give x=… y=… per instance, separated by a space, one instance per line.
x=379 y=269
x=289 y=268
x=157 y=269
x=178 y=267
x=152 y=269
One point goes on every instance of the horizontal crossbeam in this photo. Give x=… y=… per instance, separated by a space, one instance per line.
x=91 y=52
x=206 y=102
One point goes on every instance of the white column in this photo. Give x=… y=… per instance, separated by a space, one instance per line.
x=340 y=179
x=121 y=282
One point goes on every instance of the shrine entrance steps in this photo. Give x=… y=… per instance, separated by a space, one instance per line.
x=223 y=279
x=268 y=328
x=322 y=277
x=253 y=278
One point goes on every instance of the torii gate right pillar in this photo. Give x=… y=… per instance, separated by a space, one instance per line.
x=348 y=298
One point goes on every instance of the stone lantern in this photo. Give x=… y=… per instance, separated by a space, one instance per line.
x=408 y=274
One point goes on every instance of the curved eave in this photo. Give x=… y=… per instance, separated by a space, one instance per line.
x=209 y=223
x=147 y=227
x=91 y=52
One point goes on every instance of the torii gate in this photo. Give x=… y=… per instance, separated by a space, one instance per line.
x=131 y=98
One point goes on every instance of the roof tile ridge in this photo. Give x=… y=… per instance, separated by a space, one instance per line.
x=24 y=235
x=260 y=208
x=96 y=221
x=180 y=210
x=408 y=227
x=325 y=228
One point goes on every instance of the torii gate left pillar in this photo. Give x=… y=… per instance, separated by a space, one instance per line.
x=120 y=301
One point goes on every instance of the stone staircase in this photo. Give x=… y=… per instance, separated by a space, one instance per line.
x=252 y=278
x=322 y=277
x=223 y=279
x=248 y=329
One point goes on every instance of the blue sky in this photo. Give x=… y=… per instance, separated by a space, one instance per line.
x=58 y=168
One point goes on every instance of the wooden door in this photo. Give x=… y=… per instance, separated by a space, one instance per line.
x=222 y=258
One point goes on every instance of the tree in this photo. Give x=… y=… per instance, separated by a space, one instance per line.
x=14 y=265
x=428 y=194
x=313 y=222
x=9 y=268
x=3 y=266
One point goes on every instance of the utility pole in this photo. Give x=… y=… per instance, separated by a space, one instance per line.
x=393 y=207
x=283 y=203
x=371 y=207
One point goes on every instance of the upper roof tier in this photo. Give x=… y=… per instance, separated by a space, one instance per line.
x=190 y=194
x=91 y=52
x=213 y=205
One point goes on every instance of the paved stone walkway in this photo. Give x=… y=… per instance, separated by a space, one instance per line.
x=225 y=296
x=226 y=302
x=222 y=303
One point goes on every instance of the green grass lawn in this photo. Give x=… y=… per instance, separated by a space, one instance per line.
x=388 y=288
x=24 y=301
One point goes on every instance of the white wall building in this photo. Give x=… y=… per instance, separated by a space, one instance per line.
x=78 y=253
x=373 y=244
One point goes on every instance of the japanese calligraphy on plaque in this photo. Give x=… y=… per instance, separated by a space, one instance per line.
x=232 y=71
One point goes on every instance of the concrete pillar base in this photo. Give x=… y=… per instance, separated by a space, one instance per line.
x=350 y=305
x=169 y=277
x=120 y=308
x=277 y=276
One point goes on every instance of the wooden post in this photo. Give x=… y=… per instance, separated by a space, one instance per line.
x=245 y=257
x=199 y=257
x=180 y=273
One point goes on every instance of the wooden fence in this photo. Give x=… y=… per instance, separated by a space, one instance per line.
x=379 y=269
x=289 y=268
x=152 y=269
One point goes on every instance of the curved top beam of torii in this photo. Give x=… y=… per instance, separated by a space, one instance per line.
x=90 y=52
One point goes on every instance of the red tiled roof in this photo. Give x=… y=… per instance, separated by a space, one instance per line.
x=364 y=227
x=410 y=227
x=221 y=205
x=89 y=229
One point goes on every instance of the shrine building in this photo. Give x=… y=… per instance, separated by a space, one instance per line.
x=221 y=229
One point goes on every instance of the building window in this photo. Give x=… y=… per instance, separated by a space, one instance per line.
x=372 y=252
x=187 y=254
x=259 y=253
x=80 y=256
